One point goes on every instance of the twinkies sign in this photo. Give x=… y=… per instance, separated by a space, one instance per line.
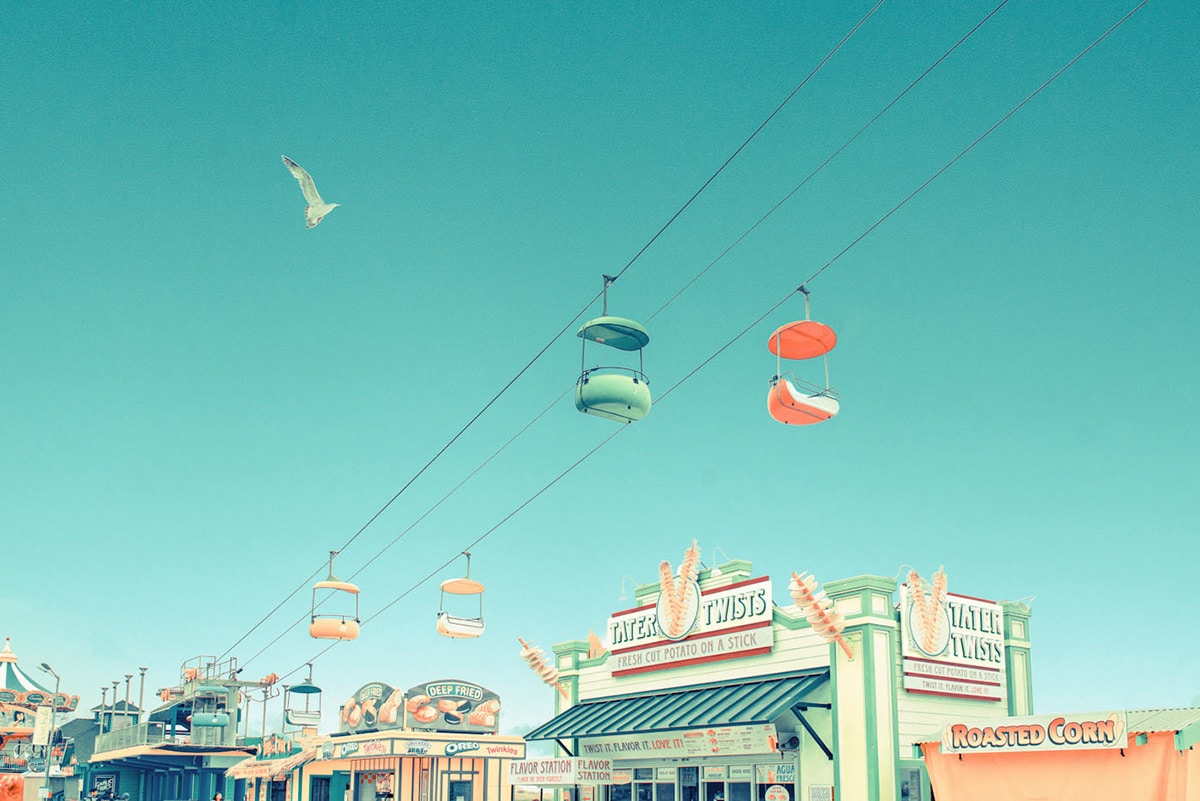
x=720 y=623
x=1037 y=733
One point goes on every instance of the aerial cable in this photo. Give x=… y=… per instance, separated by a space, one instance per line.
x=470 y=545
x=417 y=475
x=554 y=339
x=772 y=309
x=750 y=138
x=416 y=522
x=819 y=271
x=979 y=139
x=826 y=162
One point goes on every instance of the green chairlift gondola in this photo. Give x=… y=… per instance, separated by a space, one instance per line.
x=310 y=715
x=208 y=707
x=613 y=392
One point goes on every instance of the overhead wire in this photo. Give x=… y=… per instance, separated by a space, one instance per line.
x=424 y=515
x=829 y=159
x=757 y=130
x=555 y=338
x=764 y=315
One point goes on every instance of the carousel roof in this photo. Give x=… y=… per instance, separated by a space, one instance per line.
x=16 y=685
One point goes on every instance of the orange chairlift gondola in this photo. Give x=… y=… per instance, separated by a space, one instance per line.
x=310 y=715
x=335 y=625
x=791 y=400
x=615 y=393
x=459 y=627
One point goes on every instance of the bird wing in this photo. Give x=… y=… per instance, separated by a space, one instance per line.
x=306 y=182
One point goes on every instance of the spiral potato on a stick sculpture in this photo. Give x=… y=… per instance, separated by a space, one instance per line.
x=819 y=609
x=536 y=659
x=927 y=607
x=675 y=588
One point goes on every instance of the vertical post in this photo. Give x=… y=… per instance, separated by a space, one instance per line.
x=142 y=693
x=113 y=721
x=103 y=706
x=128 y=676
x=50 y=739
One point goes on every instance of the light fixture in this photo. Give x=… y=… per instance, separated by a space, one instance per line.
x=625 y=593
x=716 y=571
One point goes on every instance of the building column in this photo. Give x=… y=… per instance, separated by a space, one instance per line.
x=1017 y=665
x=865 y=731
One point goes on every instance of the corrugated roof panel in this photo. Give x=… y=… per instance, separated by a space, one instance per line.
x=760 y=701
x=1152 y=720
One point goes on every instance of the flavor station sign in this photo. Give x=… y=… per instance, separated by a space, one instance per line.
x=719 y=623
x=1037 y=733
x=715 y=741
x=560 y=772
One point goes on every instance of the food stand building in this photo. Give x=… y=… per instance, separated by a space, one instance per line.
x=436 y=742
x=747 y=701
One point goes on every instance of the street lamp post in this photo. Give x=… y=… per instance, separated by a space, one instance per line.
x=53 y=709
x=142 y=693
x=128 y=676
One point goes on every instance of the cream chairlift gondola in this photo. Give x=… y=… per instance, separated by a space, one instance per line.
x=336 y=625
x=615 y=393
x=310 y=715
x=453 y=626
x=793 y=401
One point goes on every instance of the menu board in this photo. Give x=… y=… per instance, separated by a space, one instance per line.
x=715 y=741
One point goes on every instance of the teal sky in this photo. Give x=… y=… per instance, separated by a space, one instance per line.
x=200 y=398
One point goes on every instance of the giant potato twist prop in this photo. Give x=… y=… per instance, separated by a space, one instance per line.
x=536 y=659
x=819 y=609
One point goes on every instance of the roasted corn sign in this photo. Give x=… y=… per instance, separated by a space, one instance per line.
x=1036 y=733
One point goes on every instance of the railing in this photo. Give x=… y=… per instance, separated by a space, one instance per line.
x=150 y=733
x=636 y=375
x=153 y=733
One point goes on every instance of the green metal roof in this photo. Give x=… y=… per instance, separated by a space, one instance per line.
x=744 y=703
x=1153 y=720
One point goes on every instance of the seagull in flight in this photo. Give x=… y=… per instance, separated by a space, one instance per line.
x=316 y=209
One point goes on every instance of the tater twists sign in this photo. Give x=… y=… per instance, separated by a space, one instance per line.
x=1038 y=733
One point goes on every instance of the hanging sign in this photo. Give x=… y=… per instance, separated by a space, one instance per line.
x=1036 y=733
x=41 y=726
x=718 y=623
x=715 y=741
x=560 y=772
x=451 y=705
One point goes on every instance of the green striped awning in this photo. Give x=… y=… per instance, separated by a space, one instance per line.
x=760 y=700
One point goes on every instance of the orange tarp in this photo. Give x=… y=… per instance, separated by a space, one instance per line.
x=1151 y=772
